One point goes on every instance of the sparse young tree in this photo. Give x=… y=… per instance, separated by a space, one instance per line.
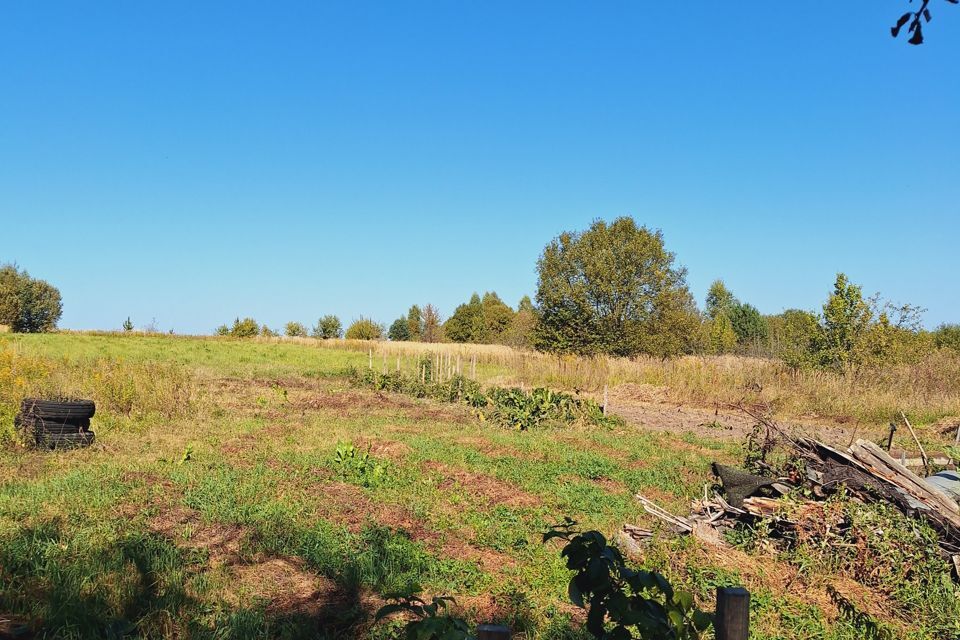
x=364 y=329
x=719 y=300
x=267 y=332
x=432 y=325
x=295 y=330
x=846 y=318
x=222 y=330
x=721 y=336
x=28 y=305
x=613 y=289
x=415 y=323
x=127 y=325
x=399 y=330
x=328 y=327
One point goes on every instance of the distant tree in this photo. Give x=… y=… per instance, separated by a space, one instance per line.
x=467 y=322
x=721 y=335
x=432 y=325
x=846 y=319
x=295 y=330
x=399 y=330
x=267 y=332
x=794 y=336
x=526 y=304
x=947 y=336
x=520 y=332
x=613 y=289
x=364 y=329
x=28 y=305
x=246 y=328
x=747 y=323
x=497 y=316
x=719 y=300
x=127 y=325
x=415 y=323
x=328 y=327
x=222 y=330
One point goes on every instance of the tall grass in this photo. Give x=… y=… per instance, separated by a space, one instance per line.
x=926 y=391
x=119 y=387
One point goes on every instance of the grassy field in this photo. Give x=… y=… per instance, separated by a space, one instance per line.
x=212 y=504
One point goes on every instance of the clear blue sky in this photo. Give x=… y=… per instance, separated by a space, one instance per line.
x=196 y=161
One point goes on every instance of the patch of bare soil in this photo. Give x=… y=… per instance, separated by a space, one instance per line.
x=611 y=486
x=389 y=449
x=221 y=541
x=285 y=585
x=347 y=505
x=489 y=489
x=714 y=422
x=489 y=448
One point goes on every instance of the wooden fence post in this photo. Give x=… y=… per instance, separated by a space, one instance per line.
x=733 y=613
x=493 y=632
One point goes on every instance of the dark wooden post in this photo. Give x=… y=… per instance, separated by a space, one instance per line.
x=733 y=613
x=493 y=632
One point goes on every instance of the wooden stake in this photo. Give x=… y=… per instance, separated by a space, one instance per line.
x=370 y=365
x=604 y=399
x=732 y=620
x=923 y=454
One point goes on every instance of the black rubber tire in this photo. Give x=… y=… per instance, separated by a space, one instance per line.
x=66 y=440
x=58 y=409
x=50 y=425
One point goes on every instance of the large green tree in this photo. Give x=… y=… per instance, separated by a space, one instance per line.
x=28 y=305
x=613 y=289
x=467 y=322
x=399 y=330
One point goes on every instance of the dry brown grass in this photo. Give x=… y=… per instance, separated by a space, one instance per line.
x=926 y=391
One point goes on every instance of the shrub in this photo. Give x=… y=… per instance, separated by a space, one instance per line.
x=623 y=602
x=794 y=335
x=222 y=330
x=295 y=330
x=246 y=328
x=127 y=325
x=267 y=332
x=947 y=336
x=364 y=329
x=28 y=305
x=328 y=327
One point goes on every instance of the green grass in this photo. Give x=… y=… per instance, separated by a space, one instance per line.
x=89 y=547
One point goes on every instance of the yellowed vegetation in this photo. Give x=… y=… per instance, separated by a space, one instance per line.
x=927 y=391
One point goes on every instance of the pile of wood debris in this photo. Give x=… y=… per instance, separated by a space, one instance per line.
x=795 y=504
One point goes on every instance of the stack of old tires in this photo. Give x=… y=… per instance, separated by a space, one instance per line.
x=56 y=424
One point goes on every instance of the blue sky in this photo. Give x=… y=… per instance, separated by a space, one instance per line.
x=196 y=161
